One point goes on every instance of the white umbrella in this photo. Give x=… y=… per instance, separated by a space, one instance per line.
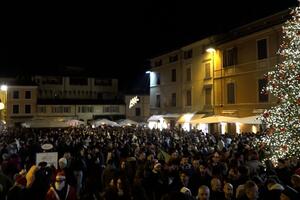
x=75 y=122
x=127 y=122
x=44 y=123
x=107 y=122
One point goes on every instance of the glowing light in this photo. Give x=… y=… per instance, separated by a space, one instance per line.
x=210 y=50
x=238 y=127
x=223 y=128
x=254 y=129
x=133 y=101
x=2 y=106
x=4 y=87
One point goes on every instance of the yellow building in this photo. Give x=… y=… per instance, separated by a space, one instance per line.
x=220 y=75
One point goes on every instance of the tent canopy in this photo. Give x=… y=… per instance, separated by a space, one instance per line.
x=45 y=123
x=155 y=118
x=107 y=122
x=214 y=119
x=250 y=120
x=127 y=122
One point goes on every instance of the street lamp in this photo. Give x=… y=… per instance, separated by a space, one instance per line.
x=3 y=87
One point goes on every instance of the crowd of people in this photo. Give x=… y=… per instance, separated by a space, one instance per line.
x=134 y=163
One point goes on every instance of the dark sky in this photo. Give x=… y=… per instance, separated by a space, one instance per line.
x=111 y=39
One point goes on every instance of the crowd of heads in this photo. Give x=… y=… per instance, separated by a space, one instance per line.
x=139 y=163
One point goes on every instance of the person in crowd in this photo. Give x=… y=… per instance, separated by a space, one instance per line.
x=216 y=189
x=251 y=191
x=61 y=189
x=203 y=193
x=19 y=190
x=228 y=192
x=289 y=194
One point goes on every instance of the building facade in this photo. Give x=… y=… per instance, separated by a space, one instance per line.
x=224 y=80
x=68 y=87
x=21 y=103
x=137 y=107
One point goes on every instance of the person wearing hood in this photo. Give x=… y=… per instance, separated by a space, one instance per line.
x=274 y=189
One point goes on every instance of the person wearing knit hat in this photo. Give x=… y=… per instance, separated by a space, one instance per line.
x=61 y=189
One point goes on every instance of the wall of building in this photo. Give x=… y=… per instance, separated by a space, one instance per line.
x=21 y=102
x=142 y=105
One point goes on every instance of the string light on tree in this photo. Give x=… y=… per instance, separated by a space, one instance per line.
x=283 y=83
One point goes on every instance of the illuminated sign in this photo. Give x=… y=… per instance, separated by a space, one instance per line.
x=133 y=101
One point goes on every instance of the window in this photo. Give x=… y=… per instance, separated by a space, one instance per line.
x=158 y=63
x=230 y=93
x=262 y=96
x=230 y=57
x=207 y=70
x=15 y=109
x=103 y=82
x=157 y=78
x=86 y=109
x=207 y=96
x=67 y=109
x=27 y=94
x=173 y=100
x=188 y=74
x=262 y=50
x=78 y=81
x=157 y=101
x=16 y=94
x=110 y=109
x=57 y=109
x=27 y=109
x=188 y=98
x=173 y=75
x=137 y=111
x=188 y=54
x=173 y=58
x=41 y=109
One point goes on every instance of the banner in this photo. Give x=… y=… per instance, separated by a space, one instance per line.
x=49 y=157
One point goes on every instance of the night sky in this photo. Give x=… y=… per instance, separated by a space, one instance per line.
x=109 y=39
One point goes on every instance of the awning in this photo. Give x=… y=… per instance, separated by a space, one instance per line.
x=171 y=116
x=155 y=118
x=250 y=120
x=193 y=116
x=215 y=119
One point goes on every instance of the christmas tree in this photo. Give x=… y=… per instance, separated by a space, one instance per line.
x=283 y=120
